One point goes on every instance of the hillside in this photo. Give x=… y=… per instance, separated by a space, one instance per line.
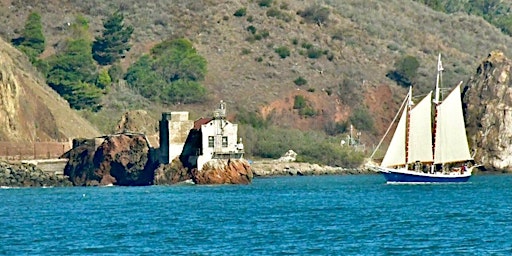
x=30 y=110
x=360 y=42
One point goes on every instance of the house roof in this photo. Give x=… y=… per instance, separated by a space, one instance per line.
x=201 y=121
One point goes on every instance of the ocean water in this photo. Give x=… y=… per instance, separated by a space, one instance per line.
x=319 y=215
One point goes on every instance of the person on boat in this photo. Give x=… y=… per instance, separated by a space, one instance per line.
x=463 y=169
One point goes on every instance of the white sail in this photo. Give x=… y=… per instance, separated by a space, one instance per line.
x=420 y=131
x=395 y=155
x=451 y=144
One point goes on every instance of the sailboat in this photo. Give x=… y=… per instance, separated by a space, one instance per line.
x=428 y=147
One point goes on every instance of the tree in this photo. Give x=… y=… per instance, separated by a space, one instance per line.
x=32 y=42
x=72 y=72
x=114 y=42
x=405 y=71
x=171 y=73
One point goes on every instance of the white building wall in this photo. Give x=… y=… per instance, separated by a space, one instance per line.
x=217 y=128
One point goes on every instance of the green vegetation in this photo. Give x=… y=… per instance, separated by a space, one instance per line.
x=32 y=42
x=265 y=3
x=314 y=53
x=316 y=14
x=170 y=74
x=72 y=72
x=496 y=12
x=275 y=13
x=303 y=106
x=311 y=146
x=252 y=119
x=362 y=120
x=240 y=12
x=405 y=71
x=300 y=81
x=335 y=128
x=113 y=44
x=282 y=51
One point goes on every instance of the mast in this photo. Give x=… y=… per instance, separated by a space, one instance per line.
x=438 y=80
x=408 y=124
x=437 y=101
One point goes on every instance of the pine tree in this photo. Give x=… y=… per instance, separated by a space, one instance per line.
x=114 y=42
x=72 y=72
x=32 y=41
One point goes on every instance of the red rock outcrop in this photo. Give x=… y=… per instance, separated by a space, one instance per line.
x=121 y=159
x=218 y=171
x=172 y=173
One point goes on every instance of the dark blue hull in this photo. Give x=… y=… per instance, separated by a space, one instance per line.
x=411 y=178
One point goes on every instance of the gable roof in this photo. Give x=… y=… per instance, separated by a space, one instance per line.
x=201 y=121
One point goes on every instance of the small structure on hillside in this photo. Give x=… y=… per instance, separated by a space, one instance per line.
x=212 y=138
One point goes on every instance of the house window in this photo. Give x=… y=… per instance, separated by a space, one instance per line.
x=210 y=141
x=224 y=141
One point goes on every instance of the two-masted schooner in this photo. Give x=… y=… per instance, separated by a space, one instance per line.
x=428 y=146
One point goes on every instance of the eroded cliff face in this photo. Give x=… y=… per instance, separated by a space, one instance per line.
x=487 y=98
x=10 y=92
x=29 y=109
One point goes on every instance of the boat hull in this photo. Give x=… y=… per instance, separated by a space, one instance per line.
x=405 y=176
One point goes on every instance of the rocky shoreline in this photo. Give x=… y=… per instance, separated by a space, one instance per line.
x=28 y=175
x=276 y=168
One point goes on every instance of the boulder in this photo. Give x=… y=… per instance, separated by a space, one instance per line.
x=29 y=175
x=222 y=171
x=121 y=159
x=173 y=173
x=80 y=167
x=289 y=156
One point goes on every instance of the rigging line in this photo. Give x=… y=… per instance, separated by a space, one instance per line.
x=391 y=125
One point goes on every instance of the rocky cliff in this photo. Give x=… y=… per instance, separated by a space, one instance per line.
x=487 y=98
x=29 y=109
x=128 y=160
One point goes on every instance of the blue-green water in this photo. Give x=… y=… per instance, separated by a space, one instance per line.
x=325 y=215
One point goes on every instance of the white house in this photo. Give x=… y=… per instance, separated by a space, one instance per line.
x=212 y=138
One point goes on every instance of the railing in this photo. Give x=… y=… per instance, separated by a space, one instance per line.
x=33 y=150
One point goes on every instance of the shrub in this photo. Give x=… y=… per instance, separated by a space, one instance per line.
x=251 y=29
x=283 y=51
x=335 y=128
x=299 y=102
x=115 y=72
x=253 y=119
x=300 y=81
x=405 y=71
x=307 y=111
x=314 y=53
x=265 y=3
x=240 y=12
x=361 y=119
x=316 y=14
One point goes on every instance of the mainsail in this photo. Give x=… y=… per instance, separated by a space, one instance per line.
x=451 y=141
x=420 y=131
